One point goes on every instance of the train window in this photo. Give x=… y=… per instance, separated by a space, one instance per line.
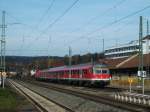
x=71 y=71
x=104 y=71
x=91 y=70
x=77 y=71
x=80 y=72
x=97 y=71
x=85 y=71
x=67 y=72
x=63 y=72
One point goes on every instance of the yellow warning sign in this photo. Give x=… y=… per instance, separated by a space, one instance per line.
x=130 y=80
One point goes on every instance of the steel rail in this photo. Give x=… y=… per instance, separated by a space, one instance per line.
x=101 y=99
x=35 y=103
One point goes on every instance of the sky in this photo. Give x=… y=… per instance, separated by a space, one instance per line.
x=50 y=27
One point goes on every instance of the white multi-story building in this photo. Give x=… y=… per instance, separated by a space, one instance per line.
x=129 y=49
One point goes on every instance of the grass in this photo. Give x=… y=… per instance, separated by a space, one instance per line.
x=8 y=101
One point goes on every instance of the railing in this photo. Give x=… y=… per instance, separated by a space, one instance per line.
x=133 y=98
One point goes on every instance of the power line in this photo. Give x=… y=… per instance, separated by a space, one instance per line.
x=42 y=17
x=23 y=24
x=18 y=50
x=46 y=12
x=109 y=24
x=62 y=15
x=57 y=19
x=104 y=13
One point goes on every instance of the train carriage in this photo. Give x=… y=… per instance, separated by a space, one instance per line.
x=84 y=74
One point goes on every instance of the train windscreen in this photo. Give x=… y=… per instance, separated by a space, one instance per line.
x=100 y=71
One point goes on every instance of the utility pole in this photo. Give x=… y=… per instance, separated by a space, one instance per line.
x=70 y=61
x=147 y=48
x=147 y=28
x=49 y=60
x=140 y=68
x=103 y=45
x=3 y=44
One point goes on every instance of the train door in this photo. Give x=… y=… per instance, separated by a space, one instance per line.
x=80 y=74
x=80 y=77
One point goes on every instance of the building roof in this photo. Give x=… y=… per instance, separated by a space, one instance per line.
x=134 y=62
x=130 y=62
x=146 y=37
x=112 y=62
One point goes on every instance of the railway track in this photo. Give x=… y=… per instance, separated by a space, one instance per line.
x=42 y=103
x=105 y=99
x=84 y=88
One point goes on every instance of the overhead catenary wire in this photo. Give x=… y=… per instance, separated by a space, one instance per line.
x=26 y=25
x=46 y=12
x=56 y=20
x=43 y=16
x=23 y=24
x=103 y=14
x=51 y=25
x=116 y=5
x=98 y=30
x=25 y=50
x=108 y=25
x=59 y=17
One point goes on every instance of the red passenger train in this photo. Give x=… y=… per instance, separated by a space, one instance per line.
x=84 y=74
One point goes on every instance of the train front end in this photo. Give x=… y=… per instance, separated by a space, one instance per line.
x=101 y=75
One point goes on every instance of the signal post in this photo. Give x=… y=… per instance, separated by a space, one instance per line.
x=130 y=80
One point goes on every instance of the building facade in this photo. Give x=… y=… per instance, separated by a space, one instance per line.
x=129 y=49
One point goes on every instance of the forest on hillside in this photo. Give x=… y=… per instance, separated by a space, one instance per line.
x=16 y=63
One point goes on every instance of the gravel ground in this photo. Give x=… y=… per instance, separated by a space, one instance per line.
x=76 y=103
